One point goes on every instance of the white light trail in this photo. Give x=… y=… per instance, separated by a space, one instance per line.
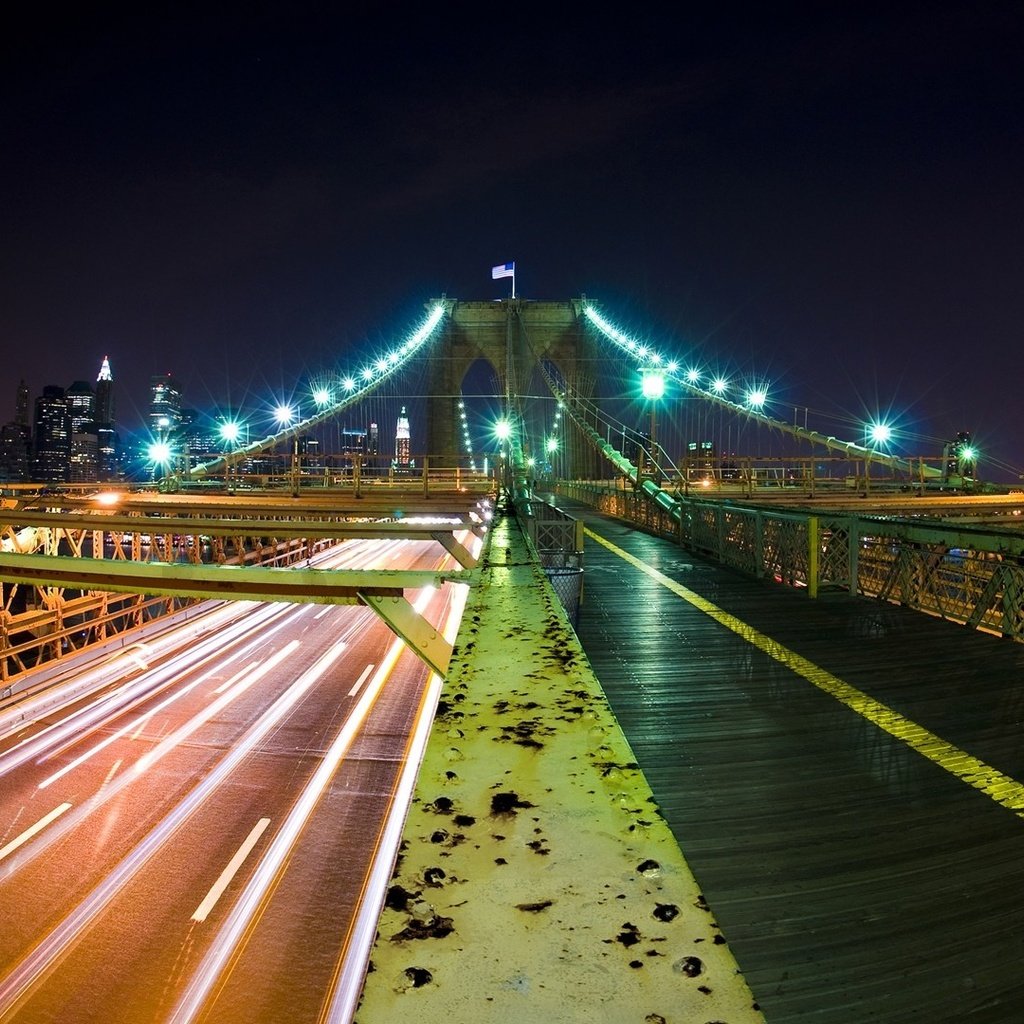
x=205 y=978
x=54 y=738
x=349 y=979
x=16 y=985
x=183 y=732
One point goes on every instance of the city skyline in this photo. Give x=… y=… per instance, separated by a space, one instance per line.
x=824 y=197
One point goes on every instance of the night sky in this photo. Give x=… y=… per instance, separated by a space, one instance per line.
x=833 y=202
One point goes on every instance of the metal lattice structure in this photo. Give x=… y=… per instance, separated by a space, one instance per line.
x=968 y=574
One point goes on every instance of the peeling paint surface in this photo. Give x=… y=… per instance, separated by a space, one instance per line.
x=536 y=877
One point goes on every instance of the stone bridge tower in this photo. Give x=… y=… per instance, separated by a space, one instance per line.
x=513 y=335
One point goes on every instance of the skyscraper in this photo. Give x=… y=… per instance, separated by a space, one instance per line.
x=164 y=406
x=105 y=394
x=21 y=405
x=402 y=440
x=16 y=442
x=83 y=462
x=52 y=431
x=107 y=446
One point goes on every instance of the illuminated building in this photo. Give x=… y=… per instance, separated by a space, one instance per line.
x=164 y=406
x=52 y=437
x=83 y=460
x=402 y=441
x=16 y=442
x=105 y=394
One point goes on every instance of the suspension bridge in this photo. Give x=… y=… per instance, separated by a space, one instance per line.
x=662 y=780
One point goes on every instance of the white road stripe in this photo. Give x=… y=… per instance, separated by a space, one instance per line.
x=362 y=679
x=228 y=873
x=31 y=831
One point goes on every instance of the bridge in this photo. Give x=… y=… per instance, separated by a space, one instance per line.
x=659 y=717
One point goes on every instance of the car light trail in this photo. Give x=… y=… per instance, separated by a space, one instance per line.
x=15 y=988
x=164 y=746
x=348 y=980
x=33 y=829
x=218 y=887
x=189 y=727
x=51 y=740
x=246 y=909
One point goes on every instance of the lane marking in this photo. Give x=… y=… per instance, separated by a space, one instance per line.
x=218 y=887
x=33 y=829
x=1001 y=788
x=362 y=679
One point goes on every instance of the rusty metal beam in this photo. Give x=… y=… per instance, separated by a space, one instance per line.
x=231 y=526
x=382 y=590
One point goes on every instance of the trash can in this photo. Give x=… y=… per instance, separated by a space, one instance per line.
x=567 y=582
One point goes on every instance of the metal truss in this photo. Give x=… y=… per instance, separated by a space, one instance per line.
x=75 y=575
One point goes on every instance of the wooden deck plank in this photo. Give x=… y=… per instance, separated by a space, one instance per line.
x=855 y=879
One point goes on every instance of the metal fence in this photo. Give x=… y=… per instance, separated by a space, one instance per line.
x=557 y=539
x=968 y=574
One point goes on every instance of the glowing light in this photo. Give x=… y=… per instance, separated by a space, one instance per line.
x=349 y=384
x=968 y=453
x=552 y=445
x=368 y=373
x=757 y=397
x=653 y=384
x=107 y=498
x=381 y=365
x=880 y=433
x=718 y=385
x=692 y=376
x=284 y=414
x=159 y=452
x=503 y=430
x=230 y=431
x=322 y=396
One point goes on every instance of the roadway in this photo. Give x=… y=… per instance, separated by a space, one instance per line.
x=206 y=835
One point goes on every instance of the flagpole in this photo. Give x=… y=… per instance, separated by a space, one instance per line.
x=513 y=280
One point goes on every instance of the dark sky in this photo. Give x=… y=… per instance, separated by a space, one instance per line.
x=830 y=200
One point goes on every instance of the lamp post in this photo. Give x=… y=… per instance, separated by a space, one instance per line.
x=231 y=433
x=284 y=414
x=160 y=454
x=652 y=381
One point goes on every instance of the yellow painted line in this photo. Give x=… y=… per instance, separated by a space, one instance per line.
x=33 y=829
x=993 y=783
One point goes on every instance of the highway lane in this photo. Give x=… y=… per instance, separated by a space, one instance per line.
x=249 y=762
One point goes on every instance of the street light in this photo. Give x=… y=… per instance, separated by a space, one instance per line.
x=653 y=387
x=880 y=433
x=231 y=433
x=160 y=454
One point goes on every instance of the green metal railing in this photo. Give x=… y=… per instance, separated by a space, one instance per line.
x=971 y=575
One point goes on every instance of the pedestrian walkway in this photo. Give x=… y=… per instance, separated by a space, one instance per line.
x=535 y=881
x=844 y=778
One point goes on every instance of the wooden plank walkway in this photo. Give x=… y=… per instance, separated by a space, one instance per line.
x=854 y=875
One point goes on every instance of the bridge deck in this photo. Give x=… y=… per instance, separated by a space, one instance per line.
x=833 y=772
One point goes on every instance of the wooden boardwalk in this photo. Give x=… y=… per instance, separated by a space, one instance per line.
x=858 y=874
